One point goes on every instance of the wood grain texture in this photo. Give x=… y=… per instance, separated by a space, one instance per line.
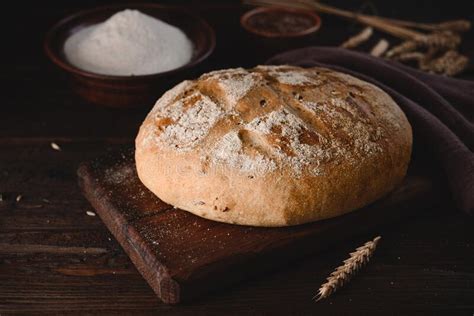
x=423 y=265
x=183 y=256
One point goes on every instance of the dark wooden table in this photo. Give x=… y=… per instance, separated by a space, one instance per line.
x=54 y=258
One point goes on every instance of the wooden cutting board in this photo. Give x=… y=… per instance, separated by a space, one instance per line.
x=183 y=256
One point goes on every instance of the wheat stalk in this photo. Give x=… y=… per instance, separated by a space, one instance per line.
x=380 y=48
x=342 y=274
x=398 y=28
x=359 y=38
x=369 y=20
x=435 y=51
x=449 y=63
x=454 y=25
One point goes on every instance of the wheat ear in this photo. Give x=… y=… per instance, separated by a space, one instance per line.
x=342 y=274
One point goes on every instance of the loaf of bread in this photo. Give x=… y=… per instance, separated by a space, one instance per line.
x=273 y=145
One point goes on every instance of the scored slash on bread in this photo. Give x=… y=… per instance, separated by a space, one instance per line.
x=273 y=145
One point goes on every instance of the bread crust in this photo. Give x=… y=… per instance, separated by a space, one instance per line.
x=273 y=146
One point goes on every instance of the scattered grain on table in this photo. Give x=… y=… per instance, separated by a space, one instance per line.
x=55 y=146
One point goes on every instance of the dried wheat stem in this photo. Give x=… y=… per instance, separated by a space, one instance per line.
x=408 y=56
x=343 y=273
x=450 y=63
x=380 y=48
x=375 y=22
x=405 y=47
x=455 y=25
x=398 y=28
x=436 y=41
x=435 y=52
x=444 y=39
x=359 y=38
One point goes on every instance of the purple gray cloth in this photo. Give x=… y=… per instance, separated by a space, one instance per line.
x=440 y=109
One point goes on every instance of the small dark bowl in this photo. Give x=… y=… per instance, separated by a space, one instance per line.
x=129 y=91
x=246 y=23
x=268 y=42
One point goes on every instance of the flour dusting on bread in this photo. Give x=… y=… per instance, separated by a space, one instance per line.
x=308 y=130
x=236 y=87
x=273 y=145
x=229 y=151
x=293 y=78
x=181 y=125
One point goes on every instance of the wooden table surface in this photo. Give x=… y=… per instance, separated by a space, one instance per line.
x=55 y=259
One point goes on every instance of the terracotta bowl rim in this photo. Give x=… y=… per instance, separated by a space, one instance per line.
x=247 y=15
x=63 y=63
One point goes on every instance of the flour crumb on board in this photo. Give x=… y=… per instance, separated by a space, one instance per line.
x=55 y=146
x=119 y=174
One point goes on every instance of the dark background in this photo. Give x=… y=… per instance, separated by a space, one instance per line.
x=32 y=111
x=424 y=264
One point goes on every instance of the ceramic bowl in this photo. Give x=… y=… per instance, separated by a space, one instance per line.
x=268 y=34
x=129 y=91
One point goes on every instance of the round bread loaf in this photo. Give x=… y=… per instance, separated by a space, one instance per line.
x=273 y=145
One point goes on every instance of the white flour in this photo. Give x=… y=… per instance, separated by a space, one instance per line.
x=129 y=43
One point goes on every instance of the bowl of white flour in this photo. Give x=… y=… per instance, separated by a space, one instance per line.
x=127 y=55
